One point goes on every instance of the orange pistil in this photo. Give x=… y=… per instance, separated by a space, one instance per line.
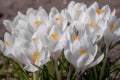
x=35 y=56
x=82 y=51
x=99 y=11
x=37 y=22
x=6 y=43
x=91 y=24
x=54 y=36
x=75 y=37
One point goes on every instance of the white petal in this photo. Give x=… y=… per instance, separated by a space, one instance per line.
x=94 y=6
x=31 y=68
x=97 y=61
x=70 y=57
x=8 y=25
x=53 y=12
x=82 y=60
x=92 y=55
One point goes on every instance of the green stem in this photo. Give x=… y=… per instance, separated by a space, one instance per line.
x=78 y=75
x=35 y=75
x=95 y=73
x=104 y=65
x=56 y=69
x=70 y=72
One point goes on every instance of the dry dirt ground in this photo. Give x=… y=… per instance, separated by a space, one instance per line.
x=9 y=9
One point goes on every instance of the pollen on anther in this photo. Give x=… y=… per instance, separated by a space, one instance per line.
x=6 y=43
x=82 y=51
x=54 y=36
x=37 y=22
x=111 y=27
x=77 y=11
x=99 y=11
x=57 y=18
x=91 y=24
x=34 y=39
x=75 y=37
x=35 y=56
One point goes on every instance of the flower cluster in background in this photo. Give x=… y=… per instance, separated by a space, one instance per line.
x=36 y=38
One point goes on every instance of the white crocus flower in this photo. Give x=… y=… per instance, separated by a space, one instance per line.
x=11 y=25
x=37 y=54
x=111 y=33
x=102 y=13
x=74 y=11
x=81 y=54
x=55 y=36
x=70 y=35
x=36 y=18
x=14 y=47
x=58 y=19
x=50 y=40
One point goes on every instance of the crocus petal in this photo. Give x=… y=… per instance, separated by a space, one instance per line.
x=8 y=25
x=69 y=57
x=97 y=61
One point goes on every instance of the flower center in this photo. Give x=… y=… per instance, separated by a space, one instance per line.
x=77 y=11
x=75 y=37
x=6 y=43
x=54 y=36
x=37 y=22
x=35 y=56
x=91 y=24
x=99 y=11
x=82 y=51
x=111 y=27
x=34 y=39
x=57 y=19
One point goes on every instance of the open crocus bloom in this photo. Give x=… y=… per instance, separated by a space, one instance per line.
x=111 y=33
x=37 y=36
x=81 y=54
x=36 y=18
x=74 y=11
x=11 y=25
x=14 y=47
x=50 y=40
x=58 y=19
x=104 y=12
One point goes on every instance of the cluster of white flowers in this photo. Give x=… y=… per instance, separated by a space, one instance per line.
x=35 y=37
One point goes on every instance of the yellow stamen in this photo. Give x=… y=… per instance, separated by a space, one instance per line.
x=82 y=51
x=54 y=36
x=91 y=24
x=75 y=37
x=111 y=27
x=77 y=11
x=57 y=18
x=35 y=56
x=34 y=39
x=99 y=11
x=6 y=43
x=37 y=22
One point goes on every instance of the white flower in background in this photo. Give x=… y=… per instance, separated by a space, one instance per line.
x=75 y=10
x=11 y=25
x=102 y=13
x=81 y=54
x=70 y=35
x=36 y=18
x=111 y=33
x=38 y=54
x=14 y=47
x=58 y=19
x=50 y=40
